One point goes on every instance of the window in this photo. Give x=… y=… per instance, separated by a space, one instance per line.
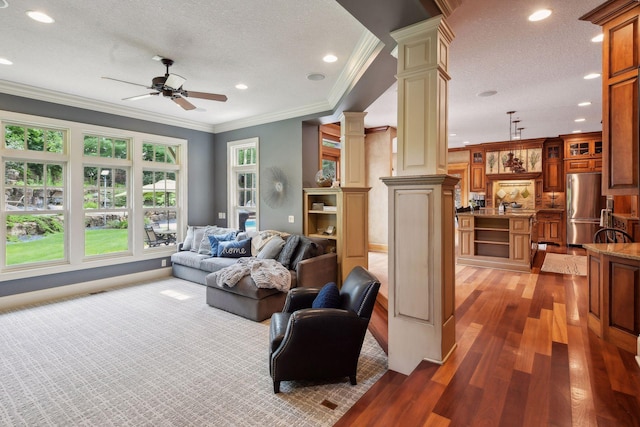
x=243 y=184
x=112 y=182
x=329 y=137
x=34 y=188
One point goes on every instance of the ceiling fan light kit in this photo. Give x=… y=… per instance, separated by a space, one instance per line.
x=170 y=86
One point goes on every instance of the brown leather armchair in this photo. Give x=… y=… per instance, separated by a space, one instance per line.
x=321 y=343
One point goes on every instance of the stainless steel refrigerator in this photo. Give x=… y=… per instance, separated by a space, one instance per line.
x=584 y=203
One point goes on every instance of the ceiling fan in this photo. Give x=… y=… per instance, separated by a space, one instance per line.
x=170 y=86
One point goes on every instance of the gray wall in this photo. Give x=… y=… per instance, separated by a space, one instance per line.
x=280 y=146
x=201 y=179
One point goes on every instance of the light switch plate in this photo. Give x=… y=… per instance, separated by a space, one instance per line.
x=291 y=219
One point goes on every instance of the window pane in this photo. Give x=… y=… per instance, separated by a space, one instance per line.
x=34 y=238
x=14 y=137
x=90 y=145
x=106 y=233
x=91 y=187
x=172 y=153
x=329 y=168
x=120 y=188
x=54 y=140
x=106 y=147
x=159 y=153
x=160 y=228
x=121 y=149
x=35 y=139
x=147 y=152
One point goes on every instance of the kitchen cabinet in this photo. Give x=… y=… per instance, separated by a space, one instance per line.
x=614 y=293
x=583 y=152
x=552 y=169
x=620 y=21
x=477 y=170
x=628 y=223
x=340 y=214
x=551 y=226
x=487 y=238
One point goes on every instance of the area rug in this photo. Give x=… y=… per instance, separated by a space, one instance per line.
x=565 y=264
x=156 y=354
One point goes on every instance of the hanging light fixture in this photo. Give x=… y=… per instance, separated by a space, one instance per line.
x=513 y=162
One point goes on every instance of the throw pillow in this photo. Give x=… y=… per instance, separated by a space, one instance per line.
x=272 y=249
x=234 y=248
x=288 y=250
x=305 y=249
x=328 y=297
x=205 y=244
x=215 y=239
x=197 y=238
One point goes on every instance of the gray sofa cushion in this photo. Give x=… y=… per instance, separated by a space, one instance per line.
x=190 y=259
x=216 y=263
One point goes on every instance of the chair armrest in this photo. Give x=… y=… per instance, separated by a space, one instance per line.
x=299 y=298
x=317 y=271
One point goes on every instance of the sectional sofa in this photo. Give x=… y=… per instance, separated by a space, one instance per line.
x=307 y=259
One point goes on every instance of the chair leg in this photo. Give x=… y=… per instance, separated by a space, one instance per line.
x=352 y=378
x=276 y=387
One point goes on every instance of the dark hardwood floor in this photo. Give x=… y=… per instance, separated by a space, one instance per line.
x=524 y=358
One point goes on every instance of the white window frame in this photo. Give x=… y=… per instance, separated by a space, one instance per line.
x=74 y=194
x=232 y=170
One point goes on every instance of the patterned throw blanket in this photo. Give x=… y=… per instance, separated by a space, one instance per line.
x=266 y=273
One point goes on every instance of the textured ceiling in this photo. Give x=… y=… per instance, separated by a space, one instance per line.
x=536 y=68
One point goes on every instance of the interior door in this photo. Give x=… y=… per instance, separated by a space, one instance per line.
x=460 y=170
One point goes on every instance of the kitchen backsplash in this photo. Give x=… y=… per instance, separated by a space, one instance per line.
x=515 y=191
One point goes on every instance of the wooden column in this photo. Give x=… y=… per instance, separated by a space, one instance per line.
x=421 y=204
x=352 y=157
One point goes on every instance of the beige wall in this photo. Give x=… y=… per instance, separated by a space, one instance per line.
x=378 y=147
x=459 y=156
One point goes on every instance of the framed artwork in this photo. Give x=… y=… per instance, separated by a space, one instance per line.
x=493 y=161
x=534 y=160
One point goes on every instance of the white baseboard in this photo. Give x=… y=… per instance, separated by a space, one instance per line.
x=37 y=297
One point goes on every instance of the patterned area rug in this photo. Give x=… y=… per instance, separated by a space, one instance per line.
x=565 y=264
x=155 y=354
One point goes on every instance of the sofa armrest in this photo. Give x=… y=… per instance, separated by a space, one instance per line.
x=299 y=298
x=317 y=271
x=179 y=246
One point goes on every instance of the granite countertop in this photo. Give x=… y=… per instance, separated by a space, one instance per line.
x=550 y=210
x=509 y=212
x=622 y=250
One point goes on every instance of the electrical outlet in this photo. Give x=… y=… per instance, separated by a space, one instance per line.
x=164 y=263
x=291 y=219
x=222 y=215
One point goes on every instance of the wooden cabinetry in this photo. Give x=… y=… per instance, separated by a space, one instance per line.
x=552 y=168
x=583 y=152
x=614 y=296
x=627 y=223
x=495 y=241
x=620 y=60
x=551 y=227
x=477 y=170
x=344 y=213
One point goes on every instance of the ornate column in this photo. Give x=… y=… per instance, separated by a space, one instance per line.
x=421 y=204
x=352 y=156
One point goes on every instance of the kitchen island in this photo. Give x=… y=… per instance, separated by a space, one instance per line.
x=614 y=293
x=502 y=240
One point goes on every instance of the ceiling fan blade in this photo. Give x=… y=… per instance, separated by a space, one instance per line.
x=135 y=98
x=205 y=95
x=183 y=103
x=124 y=81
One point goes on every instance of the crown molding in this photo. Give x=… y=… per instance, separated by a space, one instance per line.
x=26 y=91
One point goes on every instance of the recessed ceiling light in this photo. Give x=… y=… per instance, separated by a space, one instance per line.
x=584 y=104
x=241 y=86
x=330 y=58
x=466 y=142
x=40 y=17
x=452 y=134
x=581 y=119
x=598 y=38
x=5 y=61
x=315 y=76
x=591 y=76
x=487 y=93
x=576 y=131
x=539 y=15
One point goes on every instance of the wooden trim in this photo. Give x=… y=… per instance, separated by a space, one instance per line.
x=608 y=11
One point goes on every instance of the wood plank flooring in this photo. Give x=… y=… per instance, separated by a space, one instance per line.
x=524 y=358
